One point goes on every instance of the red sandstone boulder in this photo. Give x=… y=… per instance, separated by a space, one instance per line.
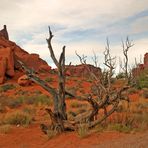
x=24 y=81
x=44 y=68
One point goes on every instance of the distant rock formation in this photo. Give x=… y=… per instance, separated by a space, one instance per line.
x=4 y=33
x=10 y=53
x=141 y=67
x=82 y=71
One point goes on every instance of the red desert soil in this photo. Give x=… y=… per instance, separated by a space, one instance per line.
x=32 y=137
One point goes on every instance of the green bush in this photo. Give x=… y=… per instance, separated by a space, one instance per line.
x=49 y=79
x=142 y=80
x=119 y=127
x=120 y=76
x=7 y=87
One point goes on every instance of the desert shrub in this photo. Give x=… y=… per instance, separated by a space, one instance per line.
x=132 y=90
x=4 y=129
x=18 y=118
x=145 y=93
x=37 y=92
x=83 y=130
x=22 y=92
x=2 y=108
x=119 y=127
x=49 y=79
x=120 y=75
x=29 y=110
x=141 y=121
x=142 y=80
x=7 y=87
x=71 y=113
x=14 y=103
x=77 y=105
x=39 y=99
x=51 y=133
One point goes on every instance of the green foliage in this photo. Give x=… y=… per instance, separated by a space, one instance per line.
x=142 y=80
x=29 y=110
x=14 y=103
x=10 y=102
x=119 y=127
x=39 y=100
x=132 y=90
x=7 y=87
x=49 y=79
x=120 y=75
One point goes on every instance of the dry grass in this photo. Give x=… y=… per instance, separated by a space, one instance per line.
x=5 y=129
x=17 y=118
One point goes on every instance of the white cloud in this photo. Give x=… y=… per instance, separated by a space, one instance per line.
x=26 y=20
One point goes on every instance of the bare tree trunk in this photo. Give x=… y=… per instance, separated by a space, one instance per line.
x=61 y=110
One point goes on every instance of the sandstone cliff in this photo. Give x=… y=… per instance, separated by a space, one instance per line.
x=10 y=53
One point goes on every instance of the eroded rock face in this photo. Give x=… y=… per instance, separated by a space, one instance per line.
x=6 y=63
x=3 y=65
x=4 y=33
x=12 y=53
x=8 y=53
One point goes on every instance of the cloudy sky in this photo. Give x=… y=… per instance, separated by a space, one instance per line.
x=81 y=25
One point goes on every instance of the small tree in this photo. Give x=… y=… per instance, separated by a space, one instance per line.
x=126 y=46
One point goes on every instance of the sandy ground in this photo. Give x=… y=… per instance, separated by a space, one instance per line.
x=32 y=137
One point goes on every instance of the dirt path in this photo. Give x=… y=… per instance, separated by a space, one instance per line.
x=139 y=140
x=32 y=137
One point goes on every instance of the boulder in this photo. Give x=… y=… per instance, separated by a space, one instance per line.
x=44 y=68
x=24 y=81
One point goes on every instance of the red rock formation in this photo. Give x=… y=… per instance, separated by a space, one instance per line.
x=12 y=53
x=81 y=70
x=136 y=71
x=4 y=33
x=146 y=60
x=3 y=63
x=8 y=54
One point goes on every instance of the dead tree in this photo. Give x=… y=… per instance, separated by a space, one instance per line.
x=109 y=62
x=60 y=108
x=59 y=120
x=126 y=46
